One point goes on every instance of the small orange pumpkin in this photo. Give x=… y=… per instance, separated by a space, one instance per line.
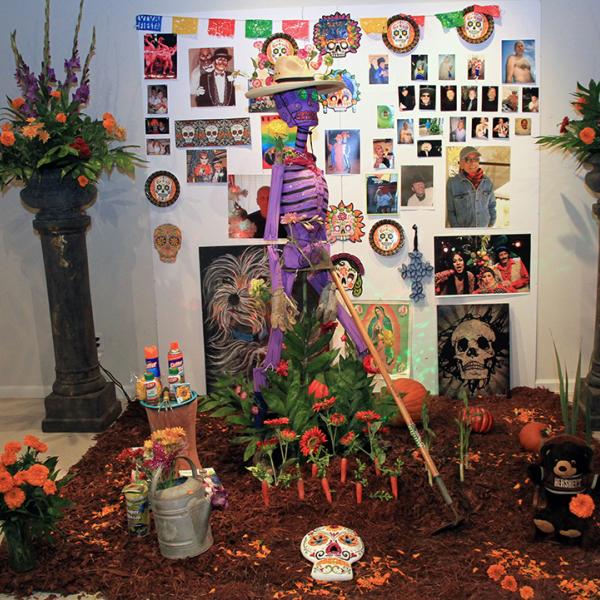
x=413 y=398
x=533 y=435
x=480 y=419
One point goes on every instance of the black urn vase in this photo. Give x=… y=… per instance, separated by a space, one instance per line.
x=81 y=399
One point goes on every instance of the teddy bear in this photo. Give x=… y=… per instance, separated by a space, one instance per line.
x=563 y=472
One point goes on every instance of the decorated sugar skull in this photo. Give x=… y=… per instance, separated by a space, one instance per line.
x=278 y=45
x=332 y=549
x=187 y=133
x=474 y=24
x=163 y=188
x=237 y=132
x=350 y=271
x=344 y=99
x=344 y=223
x=167 y=241
x=212 y=133
x=473 y=343
x=337 y=35
x=400 y=33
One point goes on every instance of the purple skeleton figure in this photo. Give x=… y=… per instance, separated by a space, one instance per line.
x=298 y=199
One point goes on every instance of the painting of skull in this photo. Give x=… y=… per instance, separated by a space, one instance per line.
x=473 y=349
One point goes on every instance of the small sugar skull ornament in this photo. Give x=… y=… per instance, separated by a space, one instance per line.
x=332 y=549
x=478 y=27
x=167 y=241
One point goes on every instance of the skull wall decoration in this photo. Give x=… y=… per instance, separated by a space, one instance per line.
x=473 y=343
x=332 y=549
x=474 y=23
x=188 y=132
x=212 y=133
x=400 y=33
x=167 y=241
x=237 y=132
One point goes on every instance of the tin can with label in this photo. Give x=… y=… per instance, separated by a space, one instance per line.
x=138 y=513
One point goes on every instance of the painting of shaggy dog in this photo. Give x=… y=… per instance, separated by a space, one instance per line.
x=235 y=325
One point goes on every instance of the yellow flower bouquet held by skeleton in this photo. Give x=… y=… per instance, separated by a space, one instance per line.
x=44 y=127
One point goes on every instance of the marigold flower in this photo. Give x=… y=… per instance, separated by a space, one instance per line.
x=496 y=572
x=31 y=131
x=7 y=138
x=82 y=180
x=277 y=422
x=55 y=94
x=587 y=135
x=49 y=487
x=14 y=498
x=311 y=441
x=120 y=133
x=169 y=437
x=288 y=435
x=347 y=439
x=19 y=478
x=36 y=475
x=318 y=390
x=367 y=416
x=526 y=592
x=43 y=136
x=282 y=368
x=337 y=419
x=582 y=505
x=319 y=406
x=16 y=103
x=12 y=447
x=109 y=123
x=6 y=481
x=35 y=443
x=61 y=117
x=8 y=458
x=509 y=583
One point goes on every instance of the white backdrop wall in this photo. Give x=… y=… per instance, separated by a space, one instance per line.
x=119 y=241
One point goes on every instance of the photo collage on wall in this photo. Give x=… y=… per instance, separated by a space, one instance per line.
x=422 y=132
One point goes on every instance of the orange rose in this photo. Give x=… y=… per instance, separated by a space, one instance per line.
x=6 y=481
x=17 y=103
x=526 y=592
x=19 y=478
x=83 y=180
x=587 y=135
x=7 y=138
x=55 y=94
x=8 y=458
x=582 y=505
x=12 y=447
x=35 y=443
x=36 y=475
x=509 y=583
x=49 y=487
x=14 y=498
x=496 y=571
x=61 y=117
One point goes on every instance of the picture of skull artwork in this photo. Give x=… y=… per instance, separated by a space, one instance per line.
x=344 y=223
x=344 y=99
x=337 y=35
x=332 y=549
x=477 y=28
x=223 y=132
x=402 y=34
x=186 y=134
x=473 y=349
x=167 y=241
x=162 y=188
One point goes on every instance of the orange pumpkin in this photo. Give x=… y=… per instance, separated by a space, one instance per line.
x=480 y=419
x=532 y=436
x=414 y=395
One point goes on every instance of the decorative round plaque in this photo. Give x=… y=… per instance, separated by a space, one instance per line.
x=162 y=188
x=477 y=28
x=386 y=237
x=402 y=34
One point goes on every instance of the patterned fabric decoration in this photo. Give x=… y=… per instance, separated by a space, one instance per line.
x=416 y=270
x=493 y=10
x=374 y=25
x=185 y=25
x=148 y=22
x=221 y=27
x=297 y=28
x=451 y=19
x=258 y=28
x=420 y=20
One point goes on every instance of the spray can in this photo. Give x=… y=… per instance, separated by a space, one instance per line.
x=173 y=377
x=152 y=364
x=152 y=390
x=175 y=360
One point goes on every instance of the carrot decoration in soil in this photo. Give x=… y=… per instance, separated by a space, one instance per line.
x=265 y=492
x=359 y=492
x=376 y=464
x=314 y=470
x=301 y=489
x=394 y=486
x=326 y=489
x=343 y=469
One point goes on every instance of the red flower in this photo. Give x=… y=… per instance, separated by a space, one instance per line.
x=564 y=124
x=311 y=441
x=578 y=105
x=582 y=505
x=509 y=583
x=319 y=406
x=82 y=147
x=368 y=416
x=267 y=444
x=369 y=365
x=337 y=419
x=277 y=422
x=325 y=328
x=318 y=390
x=282 y=368
x=288 y=435
x=347 y=439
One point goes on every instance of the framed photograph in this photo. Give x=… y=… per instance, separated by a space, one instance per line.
x=489 y=98
x=206 y=166
x=510 y=99
x=158 y=103
x=468 y=98
x=518 y=58
x=531 y=99
x=160 y=56
x=385 y=116
x=158 y=146
x=458 y=129
x=405 y=131
x=522 y=126
x=500 y=128
x=447 y=67
x=383 y=154
x=476 y=68
x=448 y=98
x=157 y=125
x=342 y=151
x=430 y=127
x=211 y=77
x=429 y=149
x=480 y=128
x=416 y=186
x=406 y=97
x=382 y=193
x=419 y=67
x=268 y=139
x=378 y=69
x=427 y=94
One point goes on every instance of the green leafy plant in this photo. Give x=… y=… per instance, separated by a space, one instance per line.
x=580 y=137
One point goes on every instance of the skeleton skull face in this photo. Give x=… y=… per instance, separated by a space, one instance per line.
x=349 y=276
x=279 y=47
x=473 y=343
x=212 y=133
x=332 y=549
x=205 y=60
x=474 y=23
x=167 y=241
x=237 y=132
x=188 y=132
x=340 y=101
x=298 y=108
x=399 y=34
x=338 y=48
x=163 y=187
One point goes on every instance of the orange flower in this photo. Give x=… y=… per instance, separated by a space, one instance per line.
x=49 y=487
x=35 y=443
x=14 y=498
x=19 y=478
x=578 y=105
x=61 y=117
x=120 y=133
x=7 y=138
x=8 y=458
x=43 y=136
x=496 y=571
x=7 y=126
x=108 y=122
x=82 y=180
x=582 y=505
x=526 y=592
x=12 y=447
x=36 y=475
x=6 y=481
x=318 y=390
x=587 y=135
x=509 y=583
x=31 y=131
x=17 y=103
x=55 y=94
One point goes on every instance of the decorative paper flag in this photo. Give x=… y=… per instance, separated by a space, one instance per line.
x=221 y=27
x=297 y=28
x=420 y=21
x=258 y=28
x=492 y=9
x=148 y=22
x=374 y=25
x=451 y=19
x=185 y=25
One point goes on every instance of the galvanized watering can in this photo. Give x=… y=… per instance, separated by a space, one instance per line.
x=181 y=516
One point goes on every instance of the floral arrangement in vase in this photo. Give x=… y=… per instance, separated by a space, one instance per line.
x=44 y=128
x=30 y=502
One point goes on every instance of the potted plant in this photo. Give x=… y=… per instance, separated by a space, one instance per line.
x=30 y=502
x=53 y=149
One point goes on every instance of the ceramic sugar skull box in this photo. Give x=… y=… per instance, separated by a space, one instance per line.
x=332 y=549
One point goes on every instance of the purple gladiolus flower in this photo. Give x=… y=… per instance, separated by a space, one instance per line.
x=51 y=75
x=82 y=94
x=72 y=63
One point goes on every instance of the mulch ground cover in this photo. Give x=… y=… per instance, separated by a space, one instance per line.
x=256 y=551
